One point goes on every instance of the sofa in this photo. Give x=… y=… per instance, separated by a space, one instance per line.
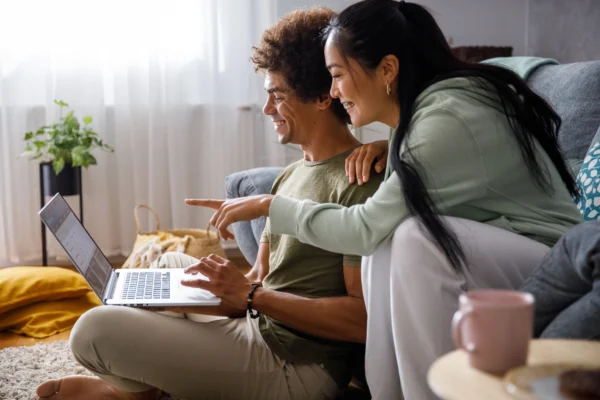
x=573 y=90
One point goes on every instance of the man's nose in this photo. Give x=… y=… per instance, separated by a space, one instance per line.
x=268 y=108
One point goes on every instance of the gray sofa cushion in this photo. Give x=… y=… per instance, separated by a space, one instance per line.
x=574 y=92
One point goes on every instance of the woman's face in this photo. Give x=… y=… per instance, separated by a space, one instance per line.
x=363 y=95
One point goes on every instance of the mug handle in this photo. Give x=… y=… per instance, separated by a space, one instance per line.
x=457 y=320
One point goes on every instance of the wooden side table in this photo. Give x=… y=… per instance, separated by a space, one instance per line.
x=451 y=378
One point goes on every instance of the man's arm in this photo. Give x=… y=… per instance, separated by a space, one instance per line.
x=261 y=266
x=340 y=318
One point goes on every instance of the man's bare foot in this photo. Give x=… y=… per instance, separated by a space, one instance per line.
x=88 y=387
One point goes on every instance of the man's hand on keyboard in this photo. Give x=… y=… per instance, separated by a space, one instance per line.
x=225 y=281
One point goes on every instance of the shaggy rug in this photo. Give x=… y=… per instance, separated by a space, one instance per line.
x=22 y=369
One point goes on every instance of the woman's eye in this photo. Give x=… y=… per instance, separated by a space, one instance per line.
x=278 y=99
x=335 y=76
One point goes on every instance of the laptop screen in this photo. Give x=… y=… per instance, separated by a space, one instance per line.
x=79 y=245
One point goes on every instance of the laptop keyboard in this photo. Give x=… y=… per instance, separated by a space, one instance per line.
x=145 y=285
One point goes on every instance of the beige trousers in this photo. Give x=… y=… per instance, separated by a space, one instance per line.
x=136 y=350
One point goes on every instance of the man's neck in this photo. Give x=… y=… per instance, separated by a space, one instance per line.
x=327 y=140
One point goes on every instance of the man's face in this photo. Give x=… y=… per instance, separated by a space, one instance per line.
x=292 y=118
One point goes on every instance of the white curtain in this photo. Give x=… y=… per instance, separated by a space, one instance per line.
x=168 y=84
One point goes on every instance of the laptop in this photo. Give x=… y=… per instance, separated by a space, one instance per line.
x=124 y=287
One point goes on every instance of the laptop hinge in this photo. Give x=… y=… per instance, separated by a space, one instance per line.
x=112 y=285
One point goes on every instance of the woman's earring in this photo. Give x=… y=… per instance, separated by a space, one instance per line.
x=388 y=89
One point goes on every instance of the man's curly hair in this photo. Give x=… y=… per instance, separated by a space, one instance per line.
x=294 y=47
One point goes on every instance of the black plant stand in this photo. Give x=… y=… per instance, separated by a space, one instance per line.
x=67 y=183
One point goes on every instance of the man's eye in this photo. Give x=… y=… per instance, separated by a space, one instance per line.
x=278 y=98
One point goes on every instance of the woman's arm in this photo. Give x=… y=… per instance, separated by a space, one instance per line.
x=359 y=229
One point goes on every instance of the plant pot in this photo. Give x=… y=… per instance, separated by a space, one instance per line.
x=67 y=183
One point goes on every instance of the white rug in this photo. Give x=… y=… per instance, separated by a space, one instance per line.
x=22 y=369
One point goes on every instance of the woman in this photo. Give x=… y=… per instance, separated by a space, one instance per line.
x=476 y=189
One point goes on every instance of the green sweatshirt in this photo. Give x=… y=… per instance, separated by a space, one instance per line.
x=472 y=167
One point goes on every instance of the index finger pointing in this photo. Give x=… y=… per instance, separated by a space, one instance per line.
x=214 y=204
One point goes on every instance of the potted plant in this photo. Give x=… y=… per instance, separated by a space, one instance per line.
x=63 y=148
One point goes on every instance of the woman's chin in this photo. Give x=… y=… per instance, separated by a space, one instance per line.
x=357 y=122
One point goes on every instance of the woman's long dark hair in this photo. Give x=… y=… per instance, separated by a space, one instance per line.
x=371 y=29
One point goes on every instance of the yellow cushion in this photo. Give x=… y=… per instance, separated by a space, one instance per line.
x=47 y=318
x=20 y=286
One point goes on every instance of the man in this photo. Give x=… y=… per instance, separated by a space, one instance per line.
x=312 y=315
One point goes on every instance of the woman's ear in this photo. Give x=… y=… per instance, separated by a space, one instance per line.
x=388 y=69
x=324 y=102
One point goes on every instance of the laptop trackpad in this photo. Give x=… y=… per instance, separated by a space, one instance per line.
x=194 y=293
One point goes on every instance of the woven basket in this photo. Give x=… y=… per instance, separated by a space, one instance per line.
x=149 y=246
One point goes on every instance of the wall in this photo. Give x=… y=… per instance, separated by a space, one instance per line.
x=468 y=22
x=568 y=31
x=482 y=22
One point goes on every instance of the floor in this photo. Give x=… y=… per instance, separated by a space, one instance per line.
x=8 y=339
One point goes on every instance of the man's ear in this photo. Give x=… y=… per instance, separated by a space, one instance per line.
x=324 y=102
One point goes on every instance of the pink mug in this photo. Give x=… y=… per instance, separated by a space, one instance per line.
x=494 y=327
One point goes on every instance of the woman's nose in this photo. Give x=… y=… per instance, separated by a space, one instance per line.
x=334 y=91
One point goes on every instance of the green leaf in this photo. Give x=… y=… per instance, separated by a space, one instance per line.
x=39 y=144
x=58 y=165
x=88 y=159
x=63 y=154
x=87 y=120
x=73 y=124
x=77 y=155
x=69 y=115
x=60 y=103
x=28 y=136
x=77 y=159
x=27 y=154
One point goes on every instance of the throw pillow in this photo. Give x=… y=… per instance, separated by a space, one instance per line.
x=20 y=286
x=47 y=318
x=588 y=181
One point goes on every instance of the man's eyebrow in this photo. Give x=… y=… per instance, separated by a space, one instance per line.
x=275 y=90
x=333 y=65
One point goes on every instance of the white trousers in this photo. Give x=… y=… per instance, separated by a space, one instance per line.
x=411 y=293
